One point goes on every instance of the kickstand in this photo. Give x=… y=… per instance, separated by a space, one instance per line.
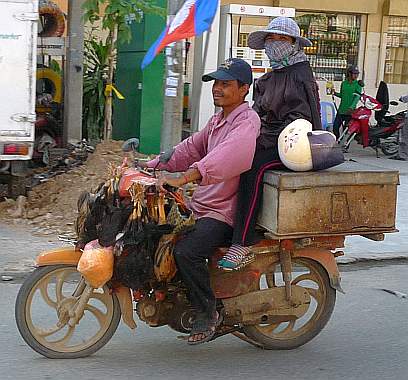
x=376 y=152
x=248 y=340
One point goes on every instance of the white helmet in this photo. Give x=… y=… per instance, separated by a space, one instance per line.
x=293 y=146
x=301 y=149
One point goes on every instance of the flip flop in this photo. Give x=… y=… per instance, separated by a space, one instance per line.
x=205 y=327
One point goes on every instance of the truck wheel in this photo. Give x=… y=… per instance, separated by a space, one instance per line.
x=43 y=307
x=289 y=335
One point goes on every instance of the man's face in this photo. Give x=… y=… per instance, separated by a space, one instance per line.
x=227 y=92
x=354 y=76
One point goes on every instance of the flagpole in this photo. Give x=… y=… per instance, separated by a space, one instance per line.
x=173 y=87
x=197 y=93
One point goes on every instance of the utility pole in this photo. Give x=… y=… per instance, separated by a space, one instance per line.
x=173 y=87
x=73 y=77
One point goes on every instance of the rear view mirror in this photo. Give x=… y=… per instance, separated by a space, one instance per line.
x=361 y=83
x=130 y=145
x=393 y=103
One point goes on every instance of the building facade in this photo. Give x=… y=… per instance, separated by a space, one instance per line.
x=372 y=34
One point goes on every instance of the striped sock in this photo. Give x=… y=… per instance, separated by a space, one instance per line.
x=236 y=253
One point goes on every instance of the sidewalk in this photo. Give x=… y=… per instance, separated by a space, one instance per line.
x=395 y=246
x=18 y=247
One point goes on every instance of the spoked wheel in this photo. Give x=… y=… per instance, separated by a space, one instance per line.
x=288 y=335
x=46 y=302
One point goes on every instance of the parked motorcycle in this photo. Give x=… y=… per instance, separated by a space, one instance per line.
x=382 y=136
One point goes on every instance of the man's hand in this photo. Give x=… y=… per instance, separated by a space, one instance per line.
x=141 y=163
x=174 y=182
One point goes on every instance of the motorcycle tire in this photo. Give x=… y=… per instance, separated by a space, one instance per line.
x=26 y=327
x=389 y=149
x=256 y=334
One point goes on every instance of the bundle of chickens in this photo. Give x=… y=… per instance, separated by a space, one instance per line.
x=129 y=217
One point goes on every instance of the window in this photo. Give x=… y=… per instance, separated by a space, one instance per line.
x=335 y=39
x=396 y=53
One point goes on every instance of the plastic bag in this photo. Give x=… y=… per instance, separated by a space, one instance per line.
x=326 y=153
x=96 y=264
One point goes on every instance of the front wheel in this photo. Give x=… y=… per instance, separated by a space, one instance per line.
x=45 y=303
x=310 y=275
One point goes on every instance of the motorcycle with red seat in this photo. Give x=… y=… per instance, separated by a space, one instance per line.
x=280 y=301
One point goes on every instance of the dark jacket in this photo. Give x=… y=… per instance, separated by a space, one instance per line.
x=283 y=96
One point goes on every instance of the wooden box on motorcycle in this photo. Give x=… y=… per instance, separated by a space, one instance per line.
x=350 y=199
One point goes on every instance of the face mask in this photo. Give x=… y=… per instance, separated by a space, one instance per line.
x=278 y=51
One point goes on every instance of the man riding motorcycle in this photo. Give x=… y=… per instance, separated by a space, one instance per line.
x=215 y=157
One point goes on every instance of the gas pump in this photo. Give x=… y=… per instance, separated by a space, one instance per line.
x=226 y=40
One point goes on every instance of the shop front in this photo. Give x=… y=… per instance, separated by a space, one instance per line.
x=372 y=34
x=395 y=46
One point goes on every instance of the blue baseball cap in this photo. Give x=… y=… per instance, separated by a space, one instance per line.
x=232 y=69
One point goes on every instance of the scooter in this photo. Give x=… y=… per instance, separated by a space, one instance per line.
x=383 y=136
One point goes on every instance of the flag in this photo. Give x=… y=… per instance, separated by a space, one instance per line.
x=193 y=19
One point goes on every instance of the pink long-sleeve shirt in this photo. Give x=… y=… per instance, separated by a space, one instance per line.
x=222 y=151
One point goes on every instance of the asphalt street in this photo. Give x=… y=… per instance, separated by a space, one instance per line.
x=365 y=339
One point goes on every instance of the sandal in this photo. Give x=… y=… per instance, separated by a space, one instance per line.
x=205 y=327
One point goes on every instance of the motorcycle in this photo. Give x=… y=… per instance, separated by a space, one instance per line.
x=280 y=301
x=383 y=136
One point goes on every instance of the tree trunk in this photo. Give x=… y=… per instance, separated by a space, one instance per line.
x=107 y=133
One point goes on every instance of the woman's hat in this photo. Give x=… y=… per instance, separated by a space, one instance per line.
x=280 y=25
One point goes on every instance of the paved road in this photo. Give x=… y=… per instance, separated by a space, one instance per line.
x=367 y=339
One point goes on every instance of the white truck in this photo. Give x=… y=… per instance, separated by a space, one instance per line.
x=18 y=45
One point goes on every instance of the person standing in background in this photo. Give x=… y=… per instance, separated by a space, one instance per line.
x=349 y=95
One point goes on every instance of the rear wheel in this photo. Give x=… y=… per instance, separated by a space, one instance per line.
x=45 y=304
x=389 y=148
x=313 y=277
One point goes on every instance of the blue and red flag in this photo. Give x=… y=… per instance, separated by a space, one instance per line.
x=193 y=19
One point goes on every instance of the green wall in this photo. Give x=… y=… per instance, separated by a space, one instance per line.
x=140 y=114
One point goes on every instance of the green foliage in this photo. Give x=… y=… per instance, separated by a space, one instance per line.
x=119 y=13
x=95 y=76
x=55 y=66
x=115 y=16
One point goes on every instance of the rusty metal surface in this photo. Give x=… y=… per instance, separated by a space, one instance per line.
x=348 y=174
x=327 y=260
x=232 y=284
x=327 y=210
x=266 y=306
x=267 y=255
